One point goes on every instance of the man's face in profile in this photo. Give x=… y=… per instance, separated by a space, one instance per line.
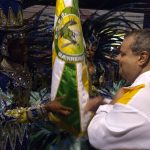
x=129 y=67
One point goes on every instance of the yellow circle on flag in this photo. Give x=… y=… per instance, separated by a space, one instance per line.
x=70 y=38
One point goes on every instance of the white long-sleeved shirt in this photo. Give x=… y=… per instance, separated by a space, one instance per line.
x=126 y=124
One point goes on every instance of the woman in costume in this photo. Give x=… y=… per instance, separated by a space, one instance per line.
x=16 y=93
x=15 y=81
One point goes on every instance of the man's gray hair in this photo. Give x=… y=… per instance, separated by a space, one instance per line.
x=141 y=40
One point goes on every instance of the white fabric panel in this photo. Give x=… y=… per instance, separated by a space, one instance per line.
x=83 y=97
x=57 y=73
x=68 y=3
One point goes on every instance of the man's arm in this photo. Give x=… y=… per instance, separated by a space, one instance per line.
x=115 y=128
x=94 y=103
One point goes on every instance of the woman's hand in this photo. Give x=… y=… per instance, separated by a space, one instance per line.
x=57 y=107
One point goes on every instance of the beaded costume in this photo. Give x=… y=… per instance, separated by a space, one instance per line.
x=15 y=97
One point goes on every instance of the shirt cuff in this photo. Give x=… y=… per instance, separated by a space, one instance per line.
x=105 y=108
x=107 y=100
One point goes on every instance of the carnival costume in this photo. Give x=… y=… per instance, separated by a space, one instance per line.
x=15 y=83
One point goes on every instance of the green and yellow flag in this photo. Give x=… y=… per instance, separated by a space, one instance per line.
x=70 y=74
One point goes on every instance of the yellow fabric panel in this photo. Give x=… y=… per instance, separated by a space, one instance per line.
x=53 y=57
x=129 y=93
x=59 y=7
x=85 y=77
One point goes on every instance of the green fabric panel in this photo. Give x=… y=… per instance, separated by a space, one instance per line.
x=71 y=10
x=75 y=4
x=68 y=87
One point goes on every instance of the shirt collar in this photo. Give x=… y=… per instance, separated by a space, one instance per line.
x=142 y=79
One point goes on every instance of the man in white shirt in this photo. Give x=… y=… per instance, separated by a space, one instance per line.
x=125 y=122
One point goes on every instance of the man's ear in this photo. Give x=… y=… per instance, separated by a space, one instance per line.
x=144 y=58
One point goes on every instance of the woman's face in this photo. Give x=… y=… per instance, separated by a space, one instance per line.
x=18 y=51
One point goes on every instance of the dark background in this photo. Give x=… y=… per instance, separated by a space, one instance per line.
x=140 y=6
x=93 y=4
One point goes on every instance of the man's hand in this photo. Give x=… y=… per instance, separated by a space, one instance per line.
x=93 y=104
x=55 y=106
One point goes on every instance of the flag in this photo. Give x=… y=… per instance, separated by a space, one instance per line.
x=70 y=74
